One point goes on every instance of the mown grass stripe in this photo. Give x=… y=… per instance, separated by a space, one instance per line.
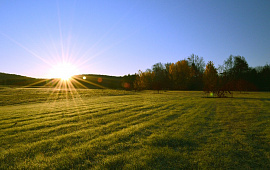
x=144 y=131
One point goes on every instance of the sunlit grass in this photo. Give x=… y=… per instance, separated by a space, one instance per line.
x=113 y=129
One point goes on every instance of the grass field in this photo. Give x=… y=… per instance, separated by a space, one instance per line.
x=110 y=129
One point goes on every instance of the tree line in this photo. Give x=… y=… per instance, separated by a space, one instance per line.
x=193 y=74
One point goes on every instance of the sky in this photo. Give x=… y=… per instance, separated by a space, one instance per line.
x=120 y=37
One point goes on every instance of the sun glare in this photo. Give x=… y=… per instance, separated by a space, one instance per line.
x=64 y=71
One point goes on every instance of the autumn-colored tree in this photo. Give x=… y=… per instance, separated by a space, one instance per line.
x=234 y=74
x=180 y=74
x=210 y=78
x=138 y=83
x=144 y=80
x=148 y=79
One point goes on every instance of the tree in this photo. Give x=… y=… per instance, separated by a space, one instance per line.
x=235 y=75
x=196 y=72
x=197 y=62
x=148 y=79
x=210 y=78
x=228 y=64
x=264 y=78
x=159 y=77
x=138 y=83
x=180 y=74
x=168 y=82
x=240 y=68
x=144 y=80
x=128 y=81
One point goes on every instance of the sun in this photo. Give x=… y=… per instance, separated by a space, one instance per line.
x=64 y=71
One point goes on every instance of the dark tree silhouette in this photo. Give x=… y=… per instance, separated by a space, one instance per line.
x=128 y=81
x=264 y=78
x=210 y=78
x=235 y=74
x=168 y=82
x=196 y=72
x=159 y=77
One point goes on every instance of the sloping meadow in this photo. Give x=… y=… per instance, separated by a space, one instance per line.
x=113 y=129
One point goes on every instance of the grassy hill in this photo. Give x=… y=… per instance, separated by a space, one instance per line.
x=115 y=129
x=92 y=81
x=18 y=80
x=4 y=76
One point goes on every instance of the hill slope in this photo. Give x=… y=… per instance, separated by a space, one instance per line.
x=18 y=80
x=4 y=76
x=91 y=81
x=94 y=81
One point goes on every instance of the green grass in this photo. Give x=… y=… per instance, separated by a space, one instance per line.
x=112 y=129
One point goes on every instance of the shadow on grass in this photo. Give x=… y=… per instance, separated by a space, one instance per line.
x=253 y=156
x=172 y=142
x=251 y=98
x=209 y=97
x=238 y=98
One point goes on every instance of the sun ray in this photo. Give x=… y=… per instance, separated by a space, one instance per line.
x=89 y=82
x=111 y=29
x=73 y=89
x=79 y=84
x=25 y=48
x=111 y=46
x=60 y=31
x=63 y=56
x=33 y=84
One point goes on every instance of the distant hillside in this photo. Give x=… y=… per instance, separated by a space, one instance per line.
x=4 y=76
x=94 y=81
x=18 y=80
x=91 y=81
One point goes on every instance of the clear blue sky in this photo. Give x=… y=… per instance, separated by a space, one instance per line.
x=121 y=37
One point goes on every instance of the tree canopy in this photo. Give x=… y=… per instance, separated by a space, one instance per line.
x=192 y=74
